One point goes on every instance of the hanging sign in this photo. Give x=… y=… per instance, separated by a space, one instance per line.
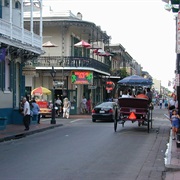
x=82 y=77
x=110 y=85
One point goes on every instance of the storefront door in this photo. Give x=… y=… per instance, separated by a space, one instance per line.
x=72 y=95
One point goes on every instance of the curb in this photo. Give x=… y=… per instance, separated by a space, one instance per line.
x=169 y=150
x=168 y=165
x=22 y=135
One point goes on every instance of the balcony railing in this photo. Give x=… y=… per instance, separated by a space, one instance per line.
x=21 y=35
x=70 y=62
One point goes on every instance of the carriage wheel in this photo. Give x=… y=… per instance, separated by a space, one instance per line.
x=115 y=121
x=115 y=124
x=148 y=116
x=151 y=117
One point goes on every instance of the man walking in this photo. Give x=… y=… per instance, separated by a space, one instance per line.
x=26 y=113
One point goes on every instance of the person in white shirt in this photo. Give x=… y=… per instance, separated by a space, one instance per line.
x=125 y=94
x=26 y=113
x=66 y=108
x=160 y=103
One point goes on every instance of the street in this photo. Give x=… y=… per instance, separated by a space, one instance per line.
x=82 y=150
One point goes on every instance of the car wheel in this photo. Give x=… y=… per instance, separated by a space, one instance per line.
x=93 y=120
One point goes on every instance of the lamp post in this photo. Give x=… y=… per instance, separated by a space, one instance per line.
x=53 y=74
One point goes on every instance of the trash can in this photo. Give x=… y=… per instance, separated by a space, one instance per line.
x=3 y=123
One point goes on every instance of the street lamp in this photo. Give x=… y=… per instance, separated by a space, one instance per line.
x=53 y=74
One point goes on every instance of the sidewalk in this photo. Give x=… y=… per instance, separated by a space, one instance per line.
x=173 y=161
x=13 y=131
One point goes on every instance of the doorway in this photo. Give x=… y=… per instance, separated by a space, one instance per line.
x=72 y=96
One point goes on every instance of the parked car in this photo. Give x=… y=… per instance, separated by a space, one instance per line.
x=105 y=111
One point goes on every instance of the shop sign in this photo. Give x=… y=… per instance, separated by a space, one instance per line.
x=82 y=77
x=59 y=83
x=110 y=85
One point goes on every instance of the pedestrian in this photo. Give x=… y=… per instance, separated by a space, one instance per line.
x=88 y=105
x=26 y=113
x=149 y=94
x=50 y=106
x=35 y=110
x=66 y=108
x=83 y=105
x=160 y=103
x=173 y=104
x=58 y=104
x=166 y=103
x=175 y=123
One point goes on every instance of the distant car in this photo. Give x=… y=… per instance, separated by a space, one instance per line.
x=105 y=111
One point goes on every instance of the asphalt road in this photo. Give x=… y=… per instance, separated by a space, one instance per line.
x=82 y=150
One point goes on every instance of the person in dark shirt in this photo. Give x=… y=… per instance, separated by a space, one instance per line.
x=149 y=94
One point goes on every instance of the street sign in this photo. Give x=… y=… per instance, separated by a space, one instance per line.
x=58 y=83
x=92 y=87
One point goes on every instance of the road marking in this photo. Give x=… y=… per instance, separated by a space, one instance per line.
x=45 y=120
x=78 y=120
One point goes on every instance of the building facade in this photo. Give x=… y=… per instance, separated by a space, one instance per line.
x=80 y=70
x=17 y=47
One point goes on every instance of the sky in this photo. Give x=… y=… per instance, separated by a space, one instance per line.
x=143 y=27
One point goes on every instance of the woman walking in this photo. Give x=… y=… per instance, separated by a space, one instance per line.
x=66 y=108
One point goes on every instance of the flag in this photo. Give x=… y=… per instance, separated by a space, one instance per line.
x=2 y=54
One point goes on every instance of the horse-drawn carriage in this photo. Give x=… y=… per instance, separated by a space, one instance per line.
x=134 y=109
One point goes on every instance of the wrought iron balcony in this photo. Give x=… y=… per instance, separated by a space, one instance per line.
x=71 y=62
x=19 y=34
